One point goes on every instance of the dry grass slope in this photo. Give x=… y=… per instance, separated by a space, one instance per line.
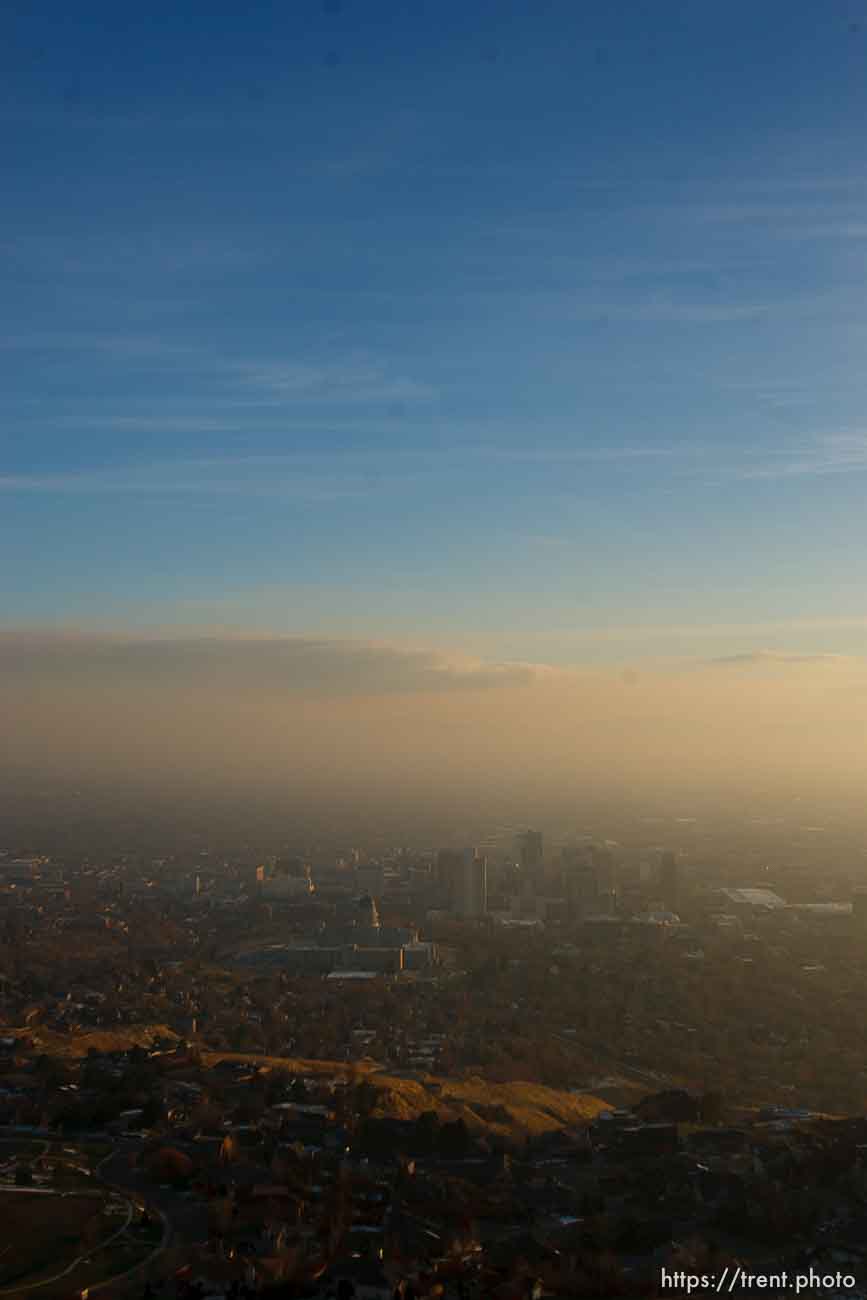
x=294 y=1064
x=505 y=1109
x=102 y=1040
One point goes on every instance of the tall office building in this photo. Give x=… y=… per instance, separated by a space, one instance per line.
x=605 y=867
x=371 y=879
x=449 y=865
x=589 y=876
x=669 y=881
x=462 y=878
x=581 y=883
x=472 y=894
x=529 y=846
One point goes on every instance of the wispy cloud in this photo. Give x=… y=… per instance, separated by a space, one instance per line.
x=818 y=219
x=72 y=115
x=794 y=225
x=800 y=182
x=546 y=540
x=758 y=657
x=140 y=252
x=841 y=229
x=781 y=457
x=776 y=212
x=574 y=301
x=310 y=475
x=638 y=632
x=283 y=381
x=151 y=347
x=222 y=660
x=198 y=478
x=344 y=381
x=314 y=474
x=686 y=311
x=267 y=663
x=565 y=455
x=836 y=453
x=783 y=393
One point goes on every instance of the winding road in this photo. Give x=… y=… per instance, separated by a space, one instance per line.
x=178 y=1217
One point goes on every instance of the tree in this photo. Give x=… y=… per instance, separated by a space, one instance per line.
x=277 y=1083
x=152 y=1112
x=229 y=1150
x=105 y=1109
x=711 y=1107
x=427 y=1128
x=453 y=1141
x=365 y=1099
x=206 y=1115
x=338 y=1210
x=91 y=1233
x=220 y=1216
x=167 y=1165
x=251 y=1107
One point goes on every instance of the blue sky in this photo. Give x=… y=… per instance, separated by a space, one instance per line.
x=532 y=329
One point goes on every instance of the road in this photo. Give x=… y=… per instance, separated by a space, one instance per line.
x=632 y=1073
x=81 y=1262
x=181 y=1219
x=187 y=1219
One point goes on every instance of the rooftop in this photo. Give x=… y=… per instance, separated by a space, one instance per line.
x=762 y=898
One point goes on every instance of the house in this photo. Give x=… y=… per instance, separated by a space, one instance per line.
x=641 y=1142
x=215 y=1275
x=672 y=1106
x=362 y=1273
x=718 y=1141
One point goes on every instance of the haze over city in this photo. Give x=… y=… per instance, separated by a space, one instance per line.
x=441 y=368
x=421 y=729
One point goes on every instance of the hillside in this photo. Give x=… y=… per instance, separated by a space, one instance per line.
x=505 y=1109
x=511 y=1110
x=78 y=1044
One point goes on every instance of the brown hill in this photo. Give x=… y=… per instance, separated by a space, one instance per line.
x=101 y=1040
x=505 y=1109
